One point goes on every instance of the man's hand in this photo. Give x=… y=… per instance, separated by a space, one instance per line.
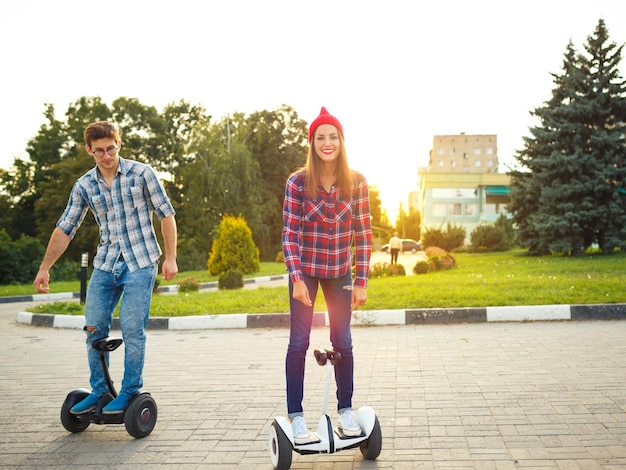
x=169 y=270
x=42 y=282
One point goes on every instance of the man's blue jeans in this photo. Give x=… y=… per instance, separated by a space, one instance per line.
x=103 y=294
x=338 y=296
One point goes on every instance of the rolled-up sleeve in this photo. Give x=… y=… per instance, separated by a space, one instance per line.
x=74 y=213
x=155 y=193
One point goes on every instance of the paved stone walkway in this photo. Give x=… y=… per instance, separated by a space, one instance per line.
x=524 y=395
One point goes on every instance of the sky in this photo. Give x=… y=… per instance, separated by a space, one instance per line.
x=395 y=73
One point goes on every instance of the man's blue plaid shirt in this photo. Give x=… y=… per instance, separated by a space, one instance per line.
x=123 y=213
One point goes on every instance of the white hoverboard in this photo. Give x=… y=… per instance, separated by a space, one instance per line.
x=326 y=440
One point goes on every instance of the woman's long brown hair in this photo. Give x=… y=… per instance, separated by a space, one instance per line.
x=345 y=178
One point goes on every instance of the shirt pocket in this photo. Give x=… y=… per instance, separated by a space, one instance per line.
x=314 y=211
x=135 y=197
x=100 y=206
x=343 y=210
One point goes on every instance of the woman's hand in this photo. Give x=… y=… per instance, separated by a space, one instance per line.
x=301 y=293
x=359 y=297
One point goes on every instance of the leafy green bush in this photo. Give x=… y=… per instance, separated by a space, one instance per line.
x=421 y=267
x=231 y=279
x=378 y=270
x=451 y=238
x=189 y=284
x=280 y=257
x=233 y=248
x=67 y=271
x=20 y=259
x=488 y=238
x=507 y=225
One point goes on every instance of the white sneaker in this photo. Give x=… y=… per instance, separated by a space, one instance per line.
x=301 y=433
x=347 y=424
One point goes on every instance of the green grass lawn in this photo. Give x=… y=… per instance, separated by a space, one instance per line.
x=267 y=269
x=480 y=280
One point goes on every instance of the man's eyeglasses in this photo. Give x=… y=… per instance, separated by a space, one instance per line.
x=112 y=151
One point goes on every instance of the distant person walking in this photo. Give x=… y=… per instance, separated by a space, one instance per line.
x=122 y=195
x=395 y=247
x=326 y=207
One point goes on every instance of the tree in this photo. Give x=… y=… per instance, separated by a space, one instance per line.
x=22 y=183
x=408 y=225
x=54 y=197
x=569 y=191
x=277 y=140
x=376 y=211
x=237 y=165
x=19 y=260
x=221 y=178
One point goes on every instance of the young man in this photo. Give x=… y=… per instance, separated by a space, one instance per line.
x=122 y=195
x=395 y=247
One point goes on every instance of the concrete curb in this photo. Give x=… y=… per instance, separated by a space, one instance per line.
x=163 y=289
x=428 y=316
x=40 y=297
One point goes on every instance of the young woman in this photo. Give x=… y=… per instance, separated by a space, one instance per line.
x=326 y=209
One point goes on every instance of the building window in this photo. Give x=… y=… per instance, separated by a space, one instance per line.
x=489 y=163
x=439 y=210
x=452 y=163
x=440 y=164
x=465 y=155
x=455 y=209
x=439 y=151
x=452 y=150
x=477 y=163
x=471 y=209
x=477 y=151
x=489 y=151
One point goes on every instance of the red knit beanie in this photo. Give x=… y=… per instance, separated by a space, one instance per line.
x=324 y=118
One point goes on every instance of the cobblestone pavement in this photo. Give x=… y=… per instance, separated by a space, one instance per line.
x=525 y=395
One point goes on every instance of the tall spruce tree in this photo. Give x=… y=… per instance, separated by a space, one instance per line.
x=569 y=191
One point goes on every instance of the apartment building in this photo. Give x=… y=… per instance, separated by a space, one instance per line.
x=461 y=183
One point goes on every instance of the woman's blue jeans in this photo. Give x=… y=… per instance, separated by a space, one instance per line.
x=338 y=296
x=103 y=294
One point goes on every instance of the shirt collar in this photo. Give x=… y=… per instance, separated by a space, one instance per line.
x=122 y=168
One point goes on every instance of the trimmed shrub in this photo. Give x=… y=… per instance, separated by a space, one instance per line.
x=233 y=248
x=421 y=267
x=231 y=279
